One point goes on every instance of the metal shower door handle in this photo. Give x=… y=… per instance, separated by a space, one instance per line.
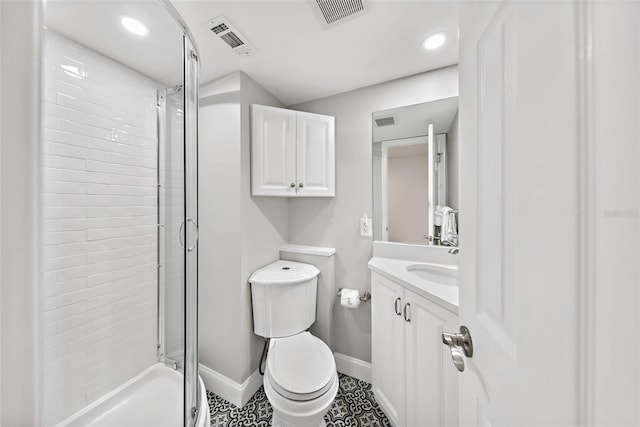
x=180 y=231
x=189 y=249
x=460 y=345
x=180 y=234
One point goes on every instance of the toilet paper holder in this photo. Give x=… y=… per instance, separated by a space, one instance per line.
x=364 y=297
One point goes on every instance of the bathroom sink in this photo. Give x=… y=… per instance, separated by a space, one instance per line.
x=435 y=273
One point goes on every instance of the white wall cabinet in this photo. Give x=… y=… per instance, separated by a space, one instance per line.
x=292 y=153
x=414 y=379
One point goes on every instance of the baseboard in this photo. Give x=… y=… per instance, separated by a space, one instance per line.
x=353 y=367
x=239 y=394
x=231 y=391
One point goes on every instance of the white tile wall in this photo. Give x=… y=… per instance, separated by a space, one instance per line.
x=100 y=255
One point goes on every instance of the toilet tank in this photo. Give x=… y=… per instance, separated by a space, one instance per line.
x=283 y=298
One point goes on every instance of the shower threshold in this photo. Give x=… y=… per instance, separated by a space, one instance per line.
x=152 y=398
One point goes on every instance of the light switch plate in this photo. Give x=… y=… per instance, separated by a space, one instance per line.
x=365 y=227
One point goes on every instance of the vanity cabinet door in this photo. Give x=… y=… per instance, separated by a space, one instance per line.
x=273 y=151
x=431 y=378
x=315 y=155
x=387 y=345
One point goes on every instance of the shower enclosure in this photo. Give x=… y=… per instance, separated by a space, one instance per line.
x=119 y=214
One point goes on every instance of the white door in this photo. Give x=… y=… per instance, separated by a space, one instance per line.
x=519 y=250
x=388 y=347
x=273 y=151
x=316 y=155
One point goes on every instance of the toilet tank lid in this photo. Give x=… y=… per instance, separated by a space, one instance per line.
x=284 y=272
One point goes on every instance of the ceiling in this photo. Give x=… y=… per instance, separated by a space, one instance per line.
x=96 y=24
x=414 y=120
x=297 y=59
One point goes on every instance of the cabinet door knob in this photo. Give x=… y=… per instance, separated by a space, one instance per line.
x=396 y=307
x=293 y=185
x=301 y=185
x=407 y=312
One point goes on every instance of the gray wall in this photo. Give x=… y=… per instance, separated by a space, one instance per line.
x=238 y=233
x=219 y=226
x=334 y=222
x=19 y=226
x=265 y=221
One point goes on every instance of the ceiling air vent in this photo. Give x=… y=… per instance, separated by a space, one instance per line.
x=221 y=27
x=385 y=121
x=334 y=12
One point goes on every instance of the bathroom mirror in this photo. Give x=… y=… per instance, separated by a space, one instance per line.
x=415 y=188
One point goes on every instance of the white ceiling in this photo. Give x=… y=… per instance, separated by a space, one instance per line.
x=96 y=24
x=414 y=120
x=297 y=58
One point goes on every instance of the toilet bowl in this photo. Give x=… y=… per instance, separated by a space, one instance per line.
x=300 y=380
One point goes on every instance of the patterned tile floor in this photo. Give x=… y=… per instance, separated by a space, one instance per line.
x=354 y=406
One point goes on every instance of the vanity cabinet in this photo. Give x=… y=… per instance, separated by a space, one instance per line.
x=292 y=153
x=414 y=379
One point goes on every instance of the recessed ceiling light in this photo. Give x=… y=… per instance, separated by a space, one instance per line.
x=135 y=26
x=434 y=41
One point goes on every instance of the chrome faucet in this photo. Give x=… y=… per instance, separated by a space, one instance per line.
x=454 y=251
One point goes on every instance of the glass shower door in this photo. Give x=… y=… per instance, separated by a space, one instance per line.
x=191 y=379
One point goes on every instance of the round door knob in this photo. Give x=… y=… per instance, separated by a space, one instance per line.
x=301 y=185
x=293 y=185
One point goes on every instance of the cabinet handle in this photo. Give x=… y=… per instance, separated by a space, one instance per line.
x=293 y=185
x=407 y=312
x=395 y=306
x=301 y=185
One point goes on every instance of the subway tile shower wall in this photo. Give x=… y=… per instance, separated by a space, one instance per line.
x=100 y=234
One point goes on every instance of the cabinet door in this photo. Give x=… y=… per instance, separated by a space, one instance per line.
x=315 y=155
x=273 y=151
x=387 y=347
x=431 y=376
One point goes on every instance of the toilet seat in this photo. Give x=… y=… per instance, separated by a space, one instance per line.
x=300 y=367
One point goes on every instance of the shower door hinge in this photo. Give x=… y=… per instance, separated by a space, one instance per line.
x=173 y=364
x=194 y=412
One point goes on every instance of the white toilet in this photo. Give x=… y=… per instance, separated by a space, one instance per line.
x=300 y=378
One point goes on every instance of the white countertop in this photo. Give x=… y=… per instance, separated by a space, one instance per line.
x=445 y=296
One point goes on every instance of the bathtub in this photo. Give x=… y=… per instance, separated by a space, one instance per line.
x=152 y=398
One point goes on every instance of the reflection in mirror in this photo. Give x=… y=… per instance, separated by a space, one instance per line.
x=415 y=173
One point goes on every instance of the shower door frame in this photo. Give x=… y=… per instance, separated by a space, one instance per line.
x=191 y=105
x=190 y=90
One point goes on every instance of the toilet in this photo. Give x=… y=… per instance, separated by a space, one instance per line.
x=300 y=378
